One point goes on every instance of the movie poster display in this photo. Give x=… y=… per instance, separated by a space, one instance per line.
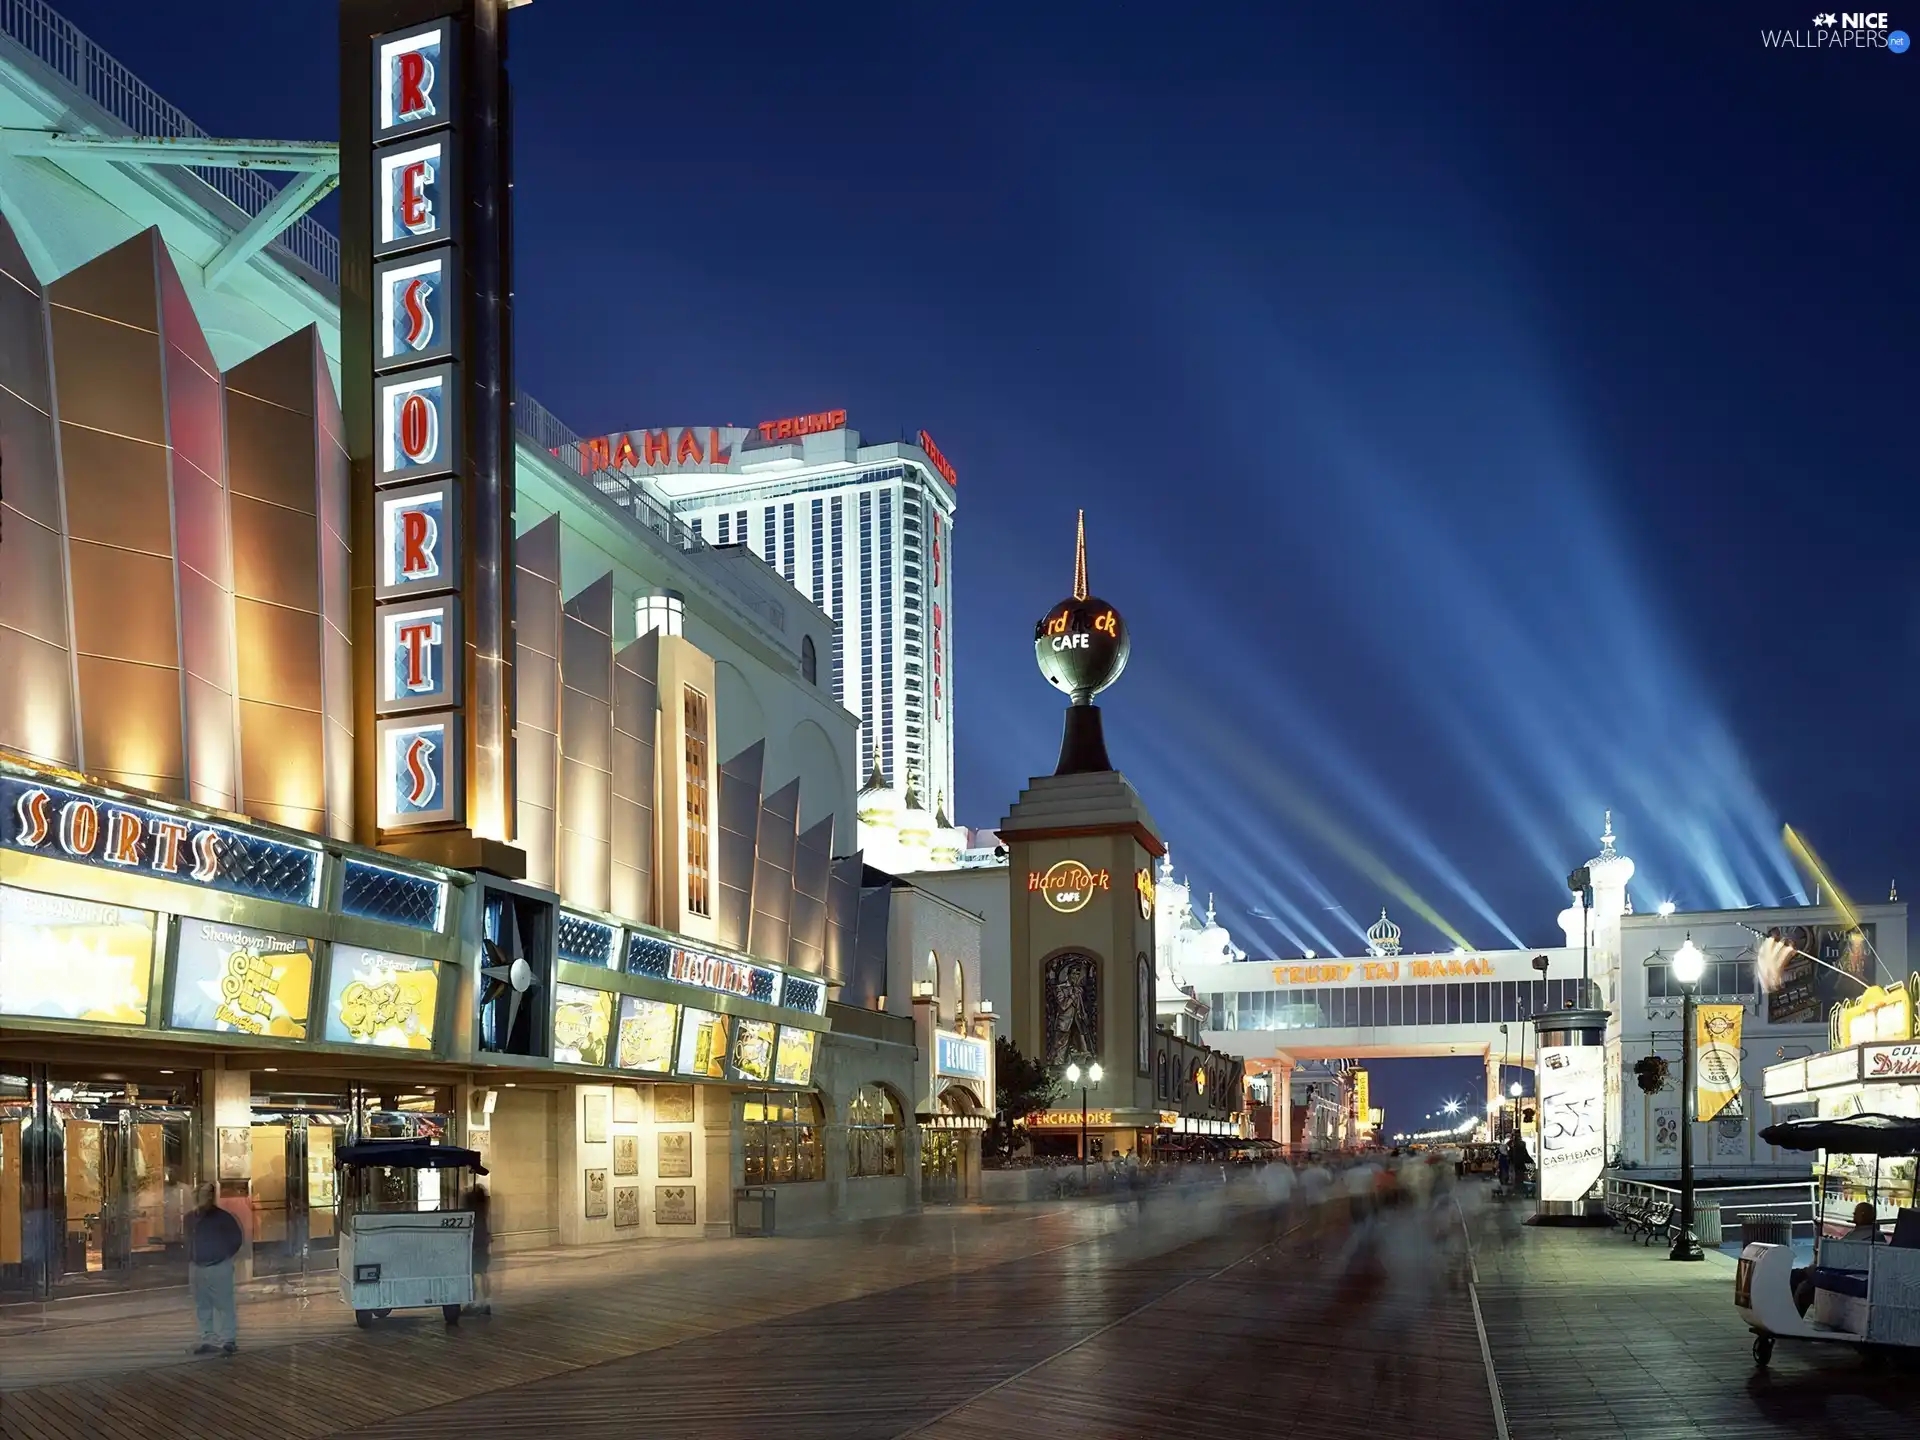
x=582 y=1019
x=703 y=1044
x=230 y=978
x=68 y=959
x=793 y=1062
x=646 y=1034
x=753 y=1049
x=374 y=998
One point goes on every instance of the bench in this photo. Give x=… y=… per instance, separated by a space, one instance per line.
x=1633 y=1214
x=1659 y=1223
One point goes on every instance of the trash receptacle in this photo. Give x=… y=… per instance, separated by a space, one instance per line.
x=1706 y=1225
x=1766 y=1228
x=753 y=1210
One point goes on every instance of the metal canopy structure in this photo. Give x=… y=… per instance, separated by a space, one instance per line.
x=313 y=164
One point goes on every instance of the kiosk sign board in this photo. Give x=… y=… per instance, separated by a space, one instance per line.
x=1572 y=1102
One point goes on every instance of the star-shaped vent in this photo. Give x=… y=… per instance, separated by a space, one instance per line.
x=509 y=981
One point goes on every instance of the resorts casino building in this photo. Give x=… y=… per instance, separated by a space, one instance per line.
x=217 y=961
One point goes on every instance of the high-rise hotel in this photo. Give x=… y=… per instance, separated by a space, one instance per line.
x=863 y=530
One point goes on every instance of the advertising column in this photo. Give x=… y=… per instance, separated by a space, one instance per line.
x=427 y=380
x=1571 y=1148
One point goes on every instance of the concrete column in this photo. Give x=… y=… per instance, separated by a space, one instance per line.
x=722 y=1158
x=227 y=1103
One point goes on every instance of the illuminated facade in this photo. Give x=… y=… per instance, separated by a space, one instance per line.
x=206 y=972
x=864 y=531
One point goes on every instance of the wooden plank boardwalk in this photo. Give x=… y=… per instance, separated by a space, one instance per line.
x=1201 y=1315
x=1597 y=1338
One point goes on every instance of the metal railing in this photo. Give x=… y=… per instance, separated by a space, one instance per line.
x=1794 y=1198
x=57 y=43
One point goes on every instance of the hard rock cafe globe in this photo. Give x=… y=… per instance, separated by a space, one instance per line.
x=1081 y=647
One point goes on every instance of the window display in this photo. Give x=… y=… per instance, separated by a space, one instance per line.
x=374 y=998
x=232 y=978
x=581 y=1020
x=753 y=1050
x=646 y=1034
x=793 y=1065
x=781 y=1137
x=874 y=1131
x=74 y=959
x=703 y=1044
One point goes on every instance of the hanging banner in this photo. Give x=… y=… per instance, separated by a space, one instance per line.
x=1716 y=1039
x=1572 y=1080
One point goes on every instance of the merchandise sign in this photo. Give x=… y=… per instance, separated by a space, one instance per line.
x=52 y=820
x=1572 y=1080
x=426 y=370
x=959 y=1055
x=1717 y=1043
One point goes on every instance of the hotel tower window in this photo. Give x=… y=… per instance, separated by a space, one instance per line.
x=697 y=806
x=781 y=1135
x=874 y=1131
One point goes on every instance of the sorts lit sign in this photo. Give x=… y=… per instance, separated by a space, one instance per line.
x=417 y=554
x=660 y=960
x=43 y=819
x=1068 y=885
x=64 y=959
x=232 y=979
x=420 y=772
x=794 y=426
x=959 y=1055
x=379 y=999
x=940 y=461
x=415 y=314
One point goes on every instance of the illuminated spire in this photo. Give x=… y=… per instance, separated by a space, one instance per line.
x=1606 y=840
x=1080 y=560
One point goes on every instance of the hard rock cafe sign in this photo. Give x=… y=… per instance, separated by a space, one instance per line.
x=1068 y=885
x=1143 y=884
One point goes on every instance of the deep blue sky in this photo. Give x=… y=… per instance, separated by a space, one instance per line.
x=1481 y=420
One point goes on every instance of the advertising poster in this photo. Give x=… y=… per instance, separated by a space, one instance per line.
x=1803 y=992
x=646 y=1034
x=1717 y=1044
x=703 y=1044
x=1572 y=1094
x=374 y=998
x=1666 y=1132
x=753 y=1049
x=73 y=959
x=232 y=978
x=581 y=1021
x=794 y=1063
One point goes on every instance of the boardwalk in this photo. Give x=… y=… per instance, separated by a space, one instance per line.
x=1204 y=1313
x=1597 y=1338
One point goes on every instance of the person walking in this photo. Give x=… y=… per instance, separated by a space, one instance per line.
x=481 y=1204
x=213 y=1239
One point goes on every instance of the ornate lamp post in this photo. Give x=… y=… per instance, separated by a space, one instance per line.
x=1687 y=968
x=1092 y=1077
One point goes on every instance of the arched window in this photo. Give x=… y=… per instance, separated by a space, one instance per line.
x=959 y=997
x=1164 y=1092
x=781 y=1131
x=874 y=1133
x=809 y=661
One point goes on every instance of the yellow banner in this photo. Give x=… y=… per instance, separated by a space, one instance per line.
x=1362 y=1112
x=1717 y=1050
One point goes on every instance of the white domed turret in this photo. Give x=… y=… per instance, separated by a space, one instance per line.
x=1383 y=938
x=1609 y=870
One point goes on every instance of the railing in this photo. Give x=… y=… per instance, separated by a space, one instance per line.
x=58 y=44
x=1795 y=1199
x=128 y=101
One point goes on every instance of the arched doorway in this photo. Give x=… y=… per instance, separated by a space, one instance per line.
x=950 y=1147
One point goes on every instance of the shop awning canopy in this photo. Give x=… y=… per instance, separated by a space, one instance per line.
x=1855 y=1135
x=410 y=1155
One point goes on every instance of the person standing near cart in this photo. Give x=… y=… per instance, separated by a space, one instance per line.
x=213 y=1239
x=479 y=1203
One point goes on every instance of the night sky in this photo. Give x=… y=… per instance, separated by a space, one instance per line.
x=1481 y=421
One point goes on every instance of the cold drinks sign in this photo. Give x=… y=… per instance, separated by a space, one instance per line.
x=424 y=367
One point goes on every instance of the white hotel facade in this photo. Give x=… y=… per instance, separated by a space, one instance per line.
x=865 y=531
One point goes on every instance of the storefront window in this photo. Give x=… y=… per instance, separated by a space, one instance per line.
x=873 y=1133
x=781 y=1134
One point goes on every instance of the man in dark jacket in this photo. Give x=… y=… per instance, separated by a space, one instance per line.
x=213 y=1239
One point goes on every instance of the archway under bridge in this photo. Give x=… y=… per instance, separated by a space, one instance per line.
x=1501 y=1058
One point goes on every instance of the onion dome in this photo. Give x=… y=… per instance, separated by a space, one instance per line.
x=878 y=801
x=1609 y=870
x=1383 y=938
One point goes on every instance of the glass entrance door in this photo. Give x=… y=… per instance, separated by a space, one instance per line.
x=124 y=1173
x=294 y=1135
x=939 y=1167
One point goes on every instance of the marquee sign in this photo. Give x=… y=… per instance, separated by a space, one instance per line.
x=425 y=369
x=41 y=819
x=1346 y=972
x=1892 y=1062
x=959 y=1055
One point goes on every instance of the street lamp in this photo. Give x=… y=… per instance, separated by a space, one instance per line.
x=1092 y=1076
x=1687 y=968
